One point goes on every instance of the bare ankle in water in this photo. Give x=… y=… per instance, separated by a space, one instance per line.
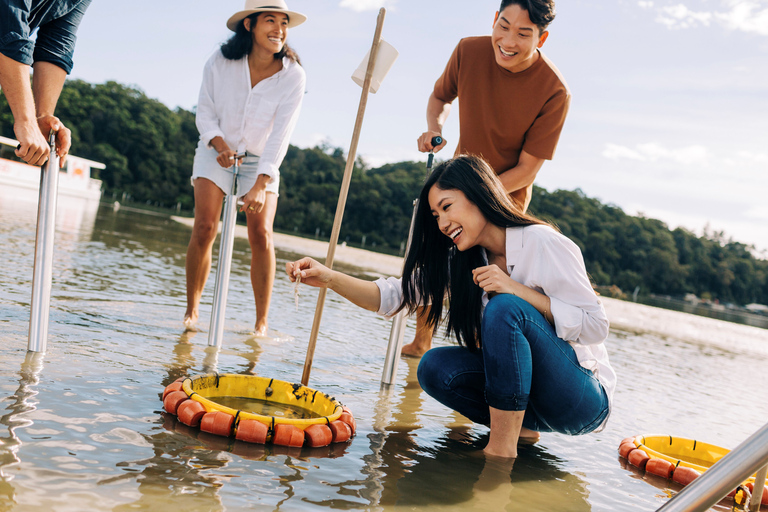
x=190 y=320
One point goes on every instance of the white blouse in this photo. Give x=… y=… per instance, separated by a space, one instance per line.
x=550 y=263
x=257 y=119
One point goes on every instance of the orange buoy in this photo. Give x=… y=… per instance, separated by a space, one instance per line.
x=288 y=435
x=174 y=386
x=659 y=467
x=217 y=422
x=297 y=437
x=625 y=448
x=347 y=418
x=173 y=399
x=684 y=475
x=214 y=418
x=340 y=430
x=764 y=500
x=638 y=458
x=627 y=440
x=318 y=435
x=190 y=412
x=252 y=431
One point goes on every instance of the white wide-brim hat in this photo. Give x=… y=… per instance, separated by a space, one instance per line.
x=254 y=6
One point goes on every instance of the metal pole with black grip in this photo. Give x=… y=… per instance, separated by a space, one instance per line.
x=397 y=332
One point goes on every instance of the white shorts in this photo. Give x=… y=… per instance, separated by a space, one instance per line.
x=206 y=166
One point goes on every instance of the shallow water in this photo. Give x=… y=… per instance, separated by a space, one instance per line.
x=82 y=426
x=264 y=407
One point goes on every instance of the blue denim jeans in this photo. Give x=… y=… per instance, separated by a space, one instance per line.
x=56 y=21
x=522 y=366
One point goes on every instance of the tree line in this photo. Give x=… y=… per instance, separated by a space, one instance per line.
x=148 y=150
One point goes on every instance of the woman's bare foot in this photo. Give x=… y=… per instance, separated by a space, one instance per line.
x=528 y=436
x=260 y=330
x=190 y=320
x=416 y=348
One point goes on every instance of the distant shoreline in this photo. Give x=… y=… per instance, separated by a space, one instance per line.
x=625 y=316
x=374 y=262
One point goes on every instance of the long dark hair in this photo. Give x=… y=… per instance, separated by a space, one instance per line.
x=241 y=42
x=434 y=268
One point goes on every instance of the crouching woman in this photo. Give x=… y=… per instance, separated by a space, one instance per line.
x=531 y=330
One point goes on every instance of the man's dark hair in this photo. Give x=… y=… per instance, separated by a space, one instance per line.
x=541 y=12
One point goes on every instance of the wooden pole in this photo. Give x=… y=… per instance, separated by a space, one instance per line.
x=343 y=193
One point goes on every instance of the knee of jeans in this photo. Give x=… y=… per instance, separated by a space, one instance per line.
x=426 y=371
x=502 y=306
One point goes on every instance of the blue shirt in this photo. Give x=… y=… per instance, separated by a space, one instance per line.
x=56 y=22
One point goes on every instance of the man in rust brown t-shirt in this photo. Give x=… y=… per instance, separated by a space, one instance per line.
x=513 y=104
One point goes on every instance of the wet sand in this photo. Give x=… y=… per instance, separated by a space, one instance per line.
x=626 y=316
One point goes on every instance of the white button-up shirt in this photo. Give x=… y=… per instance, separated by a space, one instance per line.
x=257 y=119
x=550 y=263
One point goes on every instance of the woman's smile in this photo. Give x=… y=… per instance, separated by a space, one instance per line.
x=457 y=217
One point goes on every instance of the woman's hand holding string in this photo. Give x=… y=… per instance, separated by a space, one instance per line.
x=310 y=271
x=358 y=291
x=494 y=280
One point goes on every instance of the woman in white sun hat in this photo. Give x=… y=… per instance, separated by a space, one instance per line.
x=249 y=102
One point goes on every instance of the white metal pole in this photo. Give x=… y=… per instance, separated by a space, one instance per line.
x=224 y=266
x=43 y=267
x=723 y=477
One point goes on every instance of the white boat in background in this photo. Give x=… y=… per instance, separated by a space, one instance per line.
x=74 y=179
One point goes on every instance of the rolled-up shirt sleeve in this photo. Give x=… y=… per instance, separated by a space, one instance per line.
x=205 y=118
x=57 y=24
x=15 y=41
x=391 y=293
x=285 y=121
x=578 y=312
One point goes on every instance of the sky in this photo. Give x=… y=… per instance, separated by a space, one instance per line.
x=668 y=119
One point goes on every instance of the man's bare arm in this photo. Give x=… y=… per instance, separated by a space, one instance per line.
x=14 y=80
x=437 y=113
x=47 y=83
x=523 y=174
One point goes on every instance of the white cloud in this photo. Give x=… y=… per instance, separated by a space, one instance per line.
x=365 y=5
x=757 y=213
x=744 y=15
x=679 y=16
x=616 y=152
x=653 y=152
x=747 y=158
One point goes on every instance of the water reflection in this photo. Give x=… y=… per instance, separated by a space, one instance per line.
x=405 y=469
x=22 y=404
x=174 y=477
